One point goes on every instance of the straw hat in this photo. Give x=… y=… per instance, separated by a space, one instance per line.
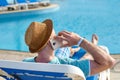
x=37 y=35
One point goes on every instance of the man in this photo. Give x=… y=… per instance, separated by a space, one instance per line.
x=38 y=36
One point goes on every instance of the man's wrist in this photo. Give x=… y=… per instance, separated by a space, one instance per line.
x=80 y=41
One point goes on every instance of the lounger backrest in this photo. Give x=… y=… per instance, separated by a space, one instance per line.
x=39 y=71
x=33 y=0
x=21 y=1
x=3 y=3
x=0 y=4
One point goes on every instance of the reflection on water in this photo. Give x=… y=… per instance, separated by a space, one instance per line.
x=84 y=17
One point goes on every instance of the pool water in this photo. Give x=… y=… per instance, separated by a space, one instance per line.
x=84 y=17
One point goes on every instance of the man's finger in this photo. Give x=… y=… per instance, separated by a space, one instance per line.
x=60 y=38
x=67 y=32
x=64 y=34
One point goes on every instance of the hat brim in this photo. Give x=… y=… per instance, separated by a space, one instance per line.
x=49 y=25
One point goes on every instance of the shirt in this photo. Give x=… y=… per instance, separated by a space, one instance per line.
x=63 y=52
x=84 y=65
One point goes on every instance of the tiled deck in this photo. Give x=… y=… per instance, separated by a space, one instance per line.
x=15 y=55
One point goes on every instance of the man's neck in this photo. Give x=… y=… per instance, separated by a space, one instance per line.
x=45 y=56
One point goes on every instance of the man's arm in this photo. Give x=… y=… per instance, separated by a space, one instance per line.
x=101 y=61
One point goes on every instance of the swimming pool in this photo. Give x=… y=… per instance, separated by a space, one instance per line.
x=84 y=17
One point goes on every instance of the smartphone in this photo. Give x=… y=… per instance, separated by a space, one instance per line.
x=55 y=44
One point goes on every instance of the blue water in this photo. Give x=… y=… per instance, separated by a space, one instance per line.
x=84 y=17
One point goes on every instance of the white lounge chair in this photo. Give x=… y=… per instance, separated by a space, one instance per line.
x=44 y=2
x=39 y=71
x=5 y=6
x=33 y=3
x=105 y=75
x=22 y=4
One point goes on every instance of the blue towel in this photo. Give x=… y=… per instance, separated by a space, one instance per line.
x=79 y=54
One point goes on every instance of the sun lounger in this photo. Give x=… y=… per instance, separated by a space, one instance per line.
x=5 y=6
x=14 y=70
x=44 y=2
x=105 y=75
x=33 y=3
x=22 y=4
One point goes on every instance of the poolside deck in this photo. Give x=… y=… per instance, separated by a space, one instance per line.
x=40 y=8
x=18 y=56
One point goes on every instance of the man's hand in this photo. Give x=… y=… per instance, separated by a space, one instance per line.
x=68 y=38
